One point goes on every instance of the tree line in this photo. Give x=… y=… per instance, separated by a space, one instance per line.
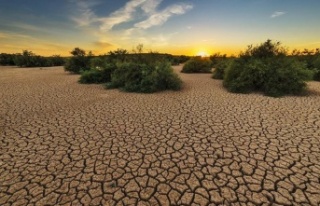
x=30 y=59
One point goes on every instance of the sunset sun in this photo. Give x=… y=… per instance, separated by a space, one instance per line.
x=202 y=54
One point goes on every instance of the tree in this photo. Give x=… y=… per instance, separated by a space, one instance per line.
x=78 y=52
x=78 y=62
x=25 y=59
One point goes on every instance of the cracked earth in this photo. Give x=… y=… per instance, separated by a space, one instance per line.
x=63 y=143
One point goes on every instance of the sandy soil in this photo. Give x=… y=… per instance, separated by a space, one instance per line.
x=64 y=143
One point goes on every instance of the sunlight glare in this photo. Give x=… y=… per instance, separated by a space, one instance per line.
x=202 y=54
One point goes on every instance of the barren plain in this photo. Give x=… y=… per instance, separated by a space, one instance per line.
x=63 y=143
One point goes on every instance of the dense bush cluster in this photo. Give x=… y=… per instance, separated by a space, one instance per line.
x=139 y=72
x=266 y=68
x=29 y=59
x=197 y=65
x=145 y=78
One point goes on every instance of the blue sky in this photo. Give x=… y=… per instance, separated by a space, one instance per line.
x=169 y=26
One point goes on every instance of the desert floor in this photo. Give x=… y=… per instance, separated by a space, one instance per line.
x=64 y=143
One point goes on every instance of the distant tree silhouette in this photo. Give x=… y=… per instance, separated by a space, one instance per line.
x=78 y=62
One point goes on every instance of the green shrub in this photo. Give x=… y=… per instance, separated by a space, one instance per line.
x=266 y=68
x=220 y=67
x=91 y=76
x=107 y=72
x=98 y=62
x=216 y=58
x=97 y=75
x=285 y=76
x=244 y=76
x=265 y=50
x=164 y=78
x=145 y=78
x=176 y=60
x=29 y=59
x=316 y=75
x=197 y=65
x=56 y=60
x=316 y=64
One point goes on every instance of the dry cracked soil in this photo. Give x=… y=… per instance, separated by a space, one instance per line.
x=63 y=143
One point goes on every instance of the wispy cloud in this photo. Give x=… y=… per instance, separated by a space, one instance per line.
x=128 y=12
x=102 y=44
x=13 y=35
x=161 y=17
x=87 y=15
x=277 y=14
x=135 y=17
x=150 y=6
x=26 y=27
x=122 y=15
x=17 y=42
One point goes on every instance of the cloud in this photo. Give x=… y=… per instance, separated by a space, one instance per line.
x=161 y=17
x=128 y=12
x=277 y=14
x=150 y=6
x=102 y=44
x=13 y=35
x=28 y=27
x=122 y=15
x=87 y=15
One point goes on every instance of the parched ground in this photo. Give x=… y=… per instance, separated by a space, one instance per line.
x=63 y=143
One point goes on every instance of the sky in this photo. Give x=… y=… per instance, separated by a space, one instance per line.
x=180 y=27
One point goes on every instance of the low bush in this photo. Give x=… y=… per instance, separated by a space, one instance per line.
x=146 y=73
x=98 y=62
x=266 y=68
x=316 y=75
x=56 y=60
x=197 y=65
x=220 y=67
x=145 y=78
x=244 y=76
x=316 y=64
x=285 y=76
x=97 y=75
x=216 y=58
x=176 y=60
x=91 y=76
